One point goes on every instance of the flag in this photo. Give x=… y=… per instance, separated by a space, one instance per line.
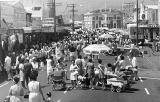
x=4 y=21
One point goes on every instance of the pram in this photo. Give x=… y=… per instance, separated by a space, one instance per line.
x=83 y=81
x=58 y=78
x=123 y=81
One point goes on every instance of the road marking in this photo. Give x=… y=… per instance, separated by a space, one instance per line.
x=140 y=79
x=59 y=100
x=4 y=84
x=151 y=78
x=151 y=62
x=147 y=91
x=66 y=90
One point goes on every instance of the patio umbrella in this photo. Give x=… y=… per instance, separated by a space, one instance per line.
x=111 y=33
x=96 y=49
x=106 y=36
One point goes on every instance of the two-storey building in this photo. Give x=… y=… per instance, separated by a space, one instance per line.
x=103 y=18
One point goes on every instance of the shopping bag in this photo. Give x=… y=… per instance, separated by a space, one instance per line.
x=75 y=73
x=7 y=99
x=26 y=95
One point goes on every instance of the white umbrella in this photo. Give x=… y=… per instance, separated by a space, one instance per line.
x=111 y=33
x=106 y=36
x=96 y=49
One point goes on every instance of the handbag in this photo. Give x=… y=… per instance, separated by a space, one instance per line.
x=75 y=73
x=26 y=95
x=7 y=99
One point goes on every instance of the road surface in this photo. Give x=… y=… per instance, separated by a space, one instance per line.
x=145 y=90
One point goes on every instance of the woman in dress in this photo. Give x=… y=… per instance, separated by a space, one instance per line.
x=73 y=75
x=16 y=91
x=34 y=88
x=49 y=68
x=101 y=77
x=22 y=72
x=90 y=72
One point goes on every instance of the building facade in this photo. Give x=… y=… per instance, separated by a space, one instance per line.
x=7 y=15
x=19 y=14
x=103 y=18
x=159 y=12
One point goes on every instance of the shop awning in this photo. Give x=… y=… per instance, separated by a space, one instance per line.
x=27 y=29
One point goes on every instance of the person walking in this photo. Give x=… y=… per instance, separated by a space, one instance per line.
x=16 y=91
x=49 y=68
x=73 y=75
x=101 y=68
x=134 y=64
x=79 y=64
x=34 y=88
x=22 y=72
x=28 y=68
x=8 y=66
x=90 y=72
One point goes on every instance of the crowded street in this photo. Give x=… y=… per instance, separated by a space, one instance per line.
x=79 y=51
x=145 y=90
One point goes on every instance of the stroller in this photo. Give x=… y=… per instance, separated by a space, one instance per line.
x=123 y=82
x=83 y=81
x=58 y=78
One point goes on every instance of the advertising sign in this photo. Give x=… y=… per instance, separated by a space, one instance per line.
x=133 y=33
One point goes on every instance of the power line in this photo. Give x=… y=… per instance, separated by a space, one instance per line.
x=73 y=13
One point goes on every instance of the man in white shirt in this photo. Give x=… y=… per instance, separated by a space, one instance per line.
x=8 y=67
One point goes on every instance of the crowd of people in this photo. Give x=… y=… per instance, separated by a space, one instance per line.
x=54 y=56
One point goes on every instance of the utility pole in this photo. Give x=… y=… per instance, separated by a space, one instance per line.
x=53 y=5
x=137 y=21
x=73 y=13
x=0 y=35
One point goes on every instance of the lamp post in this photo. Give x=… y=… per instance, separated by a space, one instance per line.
x=137 y=23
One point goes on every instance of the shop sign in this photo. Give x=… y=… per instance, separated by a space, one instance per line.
x=20 y=38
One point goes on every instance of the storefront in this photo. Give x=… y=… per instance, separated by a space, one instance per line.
x=149 y=32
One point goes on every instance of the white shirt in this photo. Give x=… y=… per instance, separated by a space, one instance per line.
x=35 y=65
x=122 y=64
x=132 y=46
x=134 y=62
x=8 y=61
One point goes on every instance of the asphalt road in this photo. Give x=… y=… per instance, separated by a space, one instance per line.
x=145 y=90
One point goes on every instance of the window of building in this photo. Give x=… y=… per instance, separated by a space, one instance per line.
x=37 y=8
x=114 y=16
x=110 y=18
x=100 y=18
x=118 y=17
x=107 y=18
x=96 y=25
x=96 y=17
x=99 y=23
x=114 y=25
x=93 y=18
x=93 y=24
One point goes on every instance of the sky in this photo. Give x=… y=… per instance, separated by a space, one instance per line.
x=84 y=5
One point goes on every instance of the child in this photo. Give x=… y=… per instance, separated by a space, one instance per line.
x=49 y=94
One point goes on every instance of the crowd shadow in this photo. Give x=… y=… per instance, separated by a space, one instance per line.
x=3 y=77
x=132 y=90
